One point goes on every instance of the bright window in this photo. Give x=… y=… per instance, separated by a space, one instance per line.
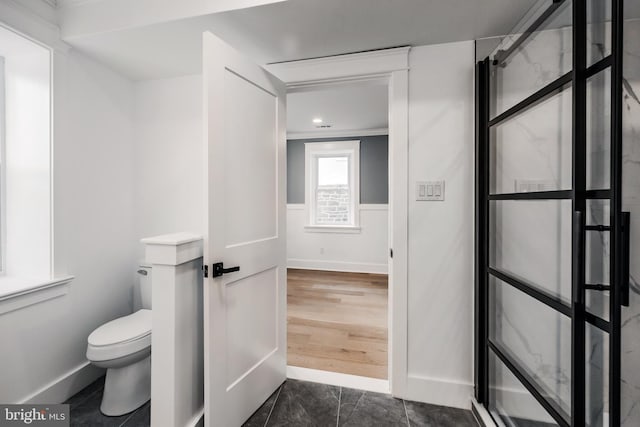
x=332 y=187
x=3 y=215
x=25 y=158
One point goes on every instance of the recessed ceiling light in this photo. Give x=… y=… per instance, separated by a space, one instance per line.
x=317 y=120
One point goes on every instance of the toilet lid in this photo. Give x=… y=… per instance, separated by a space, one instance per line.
x=122 y=329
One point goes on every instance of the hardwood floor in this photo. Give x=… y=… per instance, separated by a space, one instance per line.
x=338 y=322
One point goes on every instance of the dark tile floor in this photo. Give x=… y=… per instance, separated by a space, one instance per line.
x=296 y=403
x=85 y=410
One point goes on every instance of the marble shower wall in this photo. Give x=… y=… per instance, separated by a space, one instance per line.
x=532 y=239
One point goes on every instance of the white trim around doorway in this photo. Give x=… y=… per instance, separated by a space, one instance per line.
x=390 y=67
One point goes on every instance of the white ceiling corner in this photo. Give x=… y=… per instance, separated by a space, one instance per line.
x=169 y=42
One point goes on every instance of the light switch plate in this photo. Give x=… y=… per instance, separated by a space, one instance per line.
x=430 y=190
x=532 y=185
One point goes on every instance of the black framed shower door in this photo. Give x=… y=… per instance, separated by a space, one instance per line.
x=552 y=245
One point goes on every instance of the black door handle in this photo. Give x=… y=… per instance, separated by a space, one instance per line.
x=219 y=270
x=624 y=261
x=578 y=258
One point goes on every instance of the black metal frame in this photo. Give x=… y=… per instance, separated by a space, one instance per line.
x=502 y=55
x=619 y=228
x=618 y=256
x=579 y=204
x=481 y=366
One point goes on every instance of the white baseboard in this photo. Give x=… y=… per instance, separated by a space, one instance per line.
x=338 y=379
x=438 y=391
x=347 y=267
x=65 y=386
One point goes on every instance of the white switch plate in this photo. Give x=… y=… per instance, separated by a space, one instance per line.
x=529 y=185
x=429 y=190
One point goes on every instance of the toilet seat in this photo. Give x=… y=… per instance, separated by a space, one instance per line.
x=120 y=337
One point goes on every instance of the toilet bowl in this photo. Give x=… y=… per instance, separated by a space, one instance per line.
x=123 y=347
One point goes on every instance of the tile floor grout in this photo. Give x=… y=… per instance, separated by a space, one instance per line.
x=130 y=415
x=404 y=403
x=274 y=405
x=339 y=403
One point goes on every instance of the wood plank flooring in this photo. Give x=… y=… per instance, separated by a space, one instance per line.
x=338 y=322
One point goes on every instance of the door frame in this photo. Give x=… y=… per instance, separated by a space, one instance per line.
x=392 y=67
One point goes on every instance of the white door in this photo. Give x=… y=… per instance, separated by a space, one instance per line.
x=245 y=311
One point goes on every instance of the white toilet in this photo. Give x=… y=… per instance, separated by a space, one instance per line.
x=123 y=347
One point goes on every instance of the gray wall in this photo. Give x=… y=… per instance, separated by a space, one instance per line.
x=374 y=168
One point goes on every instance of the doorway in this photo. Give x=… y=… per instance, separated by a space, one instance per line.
x=338 y=233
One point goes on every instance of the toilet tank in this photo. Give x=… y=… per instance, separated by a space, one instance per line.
x=144 y=285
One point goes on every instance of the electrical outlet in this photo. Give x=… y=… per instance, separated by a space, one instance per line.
x=321 y=251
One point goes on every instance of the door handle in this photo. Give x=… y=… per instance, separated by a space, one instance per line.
x=624 y=261
x=578 y=257
x=219 y=270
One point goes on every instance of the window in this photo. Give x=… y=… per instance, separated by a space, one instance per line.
x=26 y=234
x=3 y=215
x=332 y=189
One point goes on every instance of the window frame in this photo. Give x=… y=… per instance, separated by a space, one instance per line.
x=316 y=150
x=3 y=168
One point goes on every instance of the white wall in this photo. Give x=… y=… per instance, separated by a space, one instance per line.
x=440 y=294
x=364 y=252
x=99 y=215
x=93 y=235
x=169 y=160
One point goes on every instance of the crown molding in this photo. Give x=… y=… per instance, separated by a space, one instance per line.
x=376 y=63
x=65 y=4
x=337 y=133
x=22 y=18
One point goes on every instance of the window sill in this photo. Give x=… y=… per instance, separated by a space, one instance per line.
x=20 y=292
x=348 y=229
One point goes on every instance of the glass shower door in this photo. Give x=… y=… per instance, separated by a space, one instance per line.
x=550 y=265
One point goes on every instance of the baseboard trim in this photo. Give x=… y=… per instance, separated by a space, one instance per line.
x=481 y=414
x=65 y=386
x=338 y=379
x=437 y=391
x=347 y=267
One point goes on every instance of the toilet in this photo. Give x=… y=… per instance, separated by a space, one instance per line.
x=123 y=347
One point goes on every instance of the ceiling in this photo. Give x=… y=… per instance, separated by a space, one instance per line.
x=299 y=29
x=344 y=108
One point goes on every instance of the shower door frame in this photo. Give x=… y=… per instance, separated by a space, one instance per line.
x=618 y=229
